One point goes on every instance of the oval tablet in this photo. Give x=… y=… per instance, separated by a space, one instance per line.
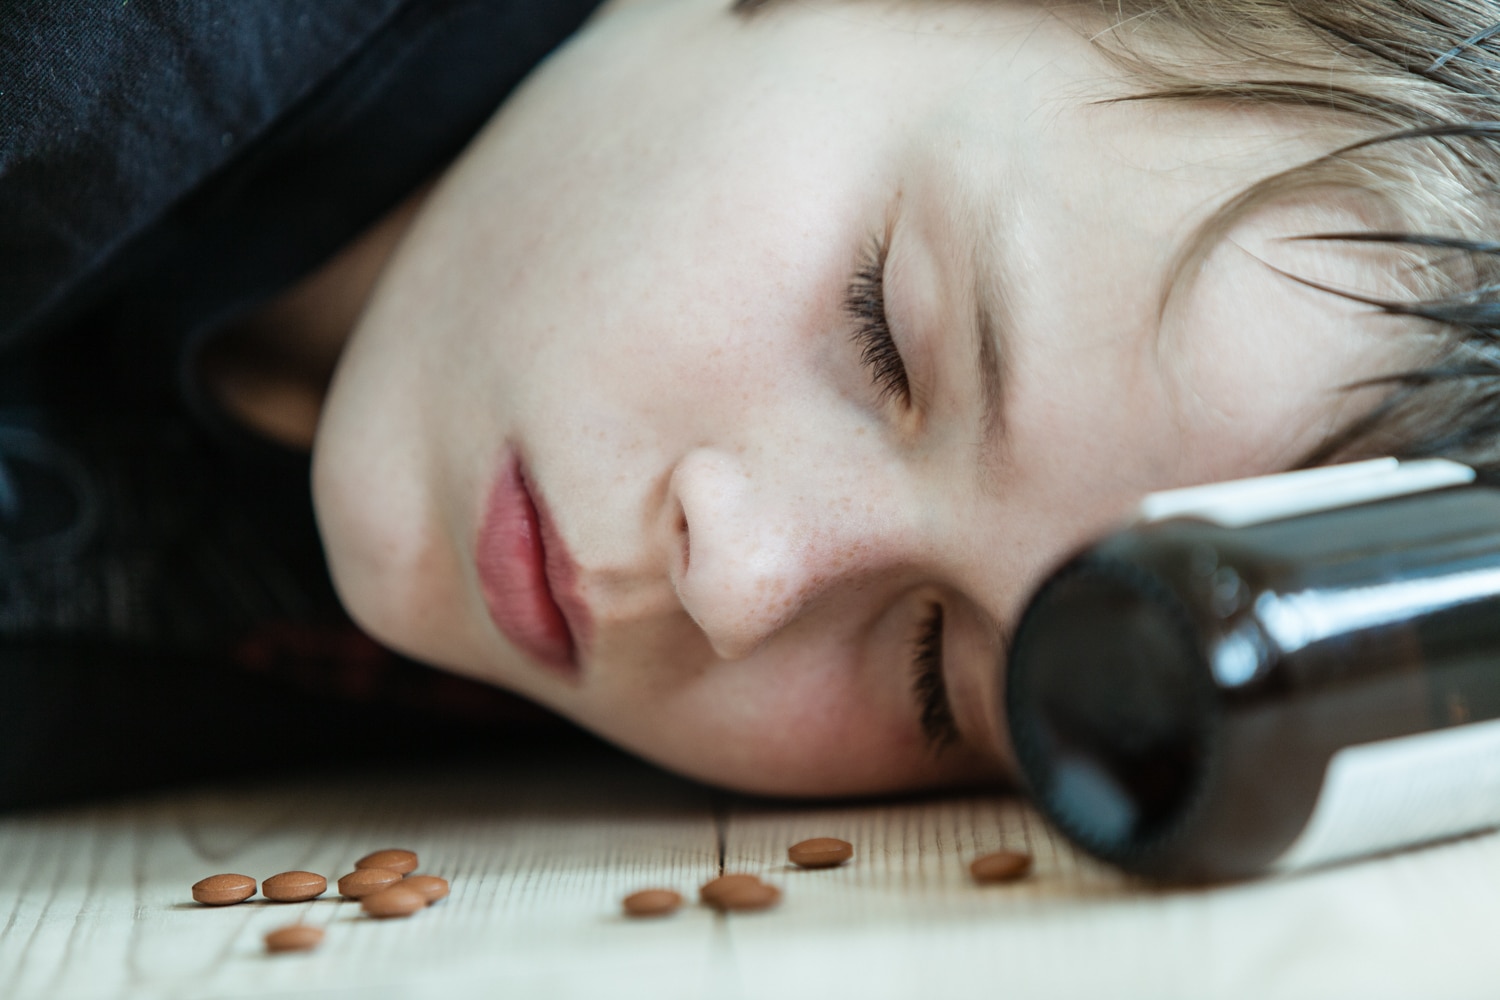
x=397 y=901
x=393 y=860
x=820 y=852
x=1000 y=866
x=652 y=903
x=431 y=887
x=294 y=887
x=297 y=937
x=363 y=881
x=222 y=890
x=748 y=897
x=713 y=888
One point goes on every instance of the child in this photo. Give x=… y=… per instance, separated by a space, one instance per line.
x=733 y=387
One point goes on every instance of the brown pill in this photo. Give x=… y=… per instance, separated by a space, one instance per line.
x=221 y=890
x=392 y=861
x=747 y=897
x=1001 y=866
x=297 y=937
x=820 y=852
x=713 y=888
x=652 y=903
x=363 y=881
x=397 y=901
x=431 y=887
x=294 y=887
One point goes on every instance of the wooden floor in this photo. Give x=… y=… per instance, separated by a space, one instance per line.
x=94 y=902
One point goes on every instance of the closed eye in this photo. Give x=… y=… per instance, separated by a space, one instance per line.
x=864 y=302
x=938 y=724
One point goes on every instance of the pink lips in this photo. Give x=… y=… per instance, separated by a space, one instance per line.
x=527 y=575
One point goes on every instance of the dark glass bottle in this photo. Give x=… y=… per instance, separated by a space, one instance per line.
x=1216 y=695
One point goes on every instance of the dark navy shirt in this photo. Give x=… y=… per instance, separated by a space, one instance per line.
x=167 y=165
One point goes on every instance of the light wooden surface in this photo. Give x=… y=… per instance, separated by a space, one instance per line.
x=94 y=902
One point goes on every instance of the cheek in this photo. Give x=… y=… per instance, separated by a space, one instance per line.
x=798 y=723
x=658 y=261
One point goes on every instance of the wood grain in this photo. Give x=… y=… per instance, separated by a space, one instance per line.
x=94 y=902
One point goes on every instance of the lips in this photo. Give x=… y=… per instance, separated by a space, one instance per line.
x=527 y=575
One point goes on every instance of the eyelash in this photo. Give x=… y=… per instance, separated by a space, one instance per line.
x=938 y=724
x=864 y=302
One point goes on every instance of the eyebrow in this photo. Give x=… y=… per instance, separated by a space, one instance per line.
x=992 y=316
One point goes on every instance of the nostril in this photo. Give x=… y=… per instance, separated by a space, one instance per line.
x=687 y=540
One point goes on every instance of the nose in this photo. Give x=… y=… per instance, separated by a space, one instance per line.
x=757 y=548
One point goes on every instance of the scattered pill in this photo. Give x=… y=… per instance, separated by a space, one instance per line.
x=294 y=887
x=747 y=897
x=297 y=937
x=393 y=860
x=222 y=890
x=652 y=903
x=820 y=852
x=397 y=901
x=1001 y=866
x=713 y=888
x=364 y=881
x=431 y=887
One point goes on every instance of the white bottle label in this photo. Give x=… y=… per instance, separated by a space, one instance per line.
x=1242 y=502
x=1403 y=791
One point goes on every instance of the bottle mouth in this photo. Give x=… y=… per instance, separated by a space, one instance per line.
x=1112 y=709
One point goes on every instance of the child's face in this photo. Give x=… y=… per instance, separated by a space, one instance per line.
x=632 y=289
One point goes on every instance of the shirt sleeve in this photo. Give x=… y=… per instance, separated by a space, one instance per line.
x=137 y=134
x=112 y=110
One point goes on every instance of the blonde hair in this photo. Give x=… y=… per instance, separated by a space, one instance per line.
x=1414 y=86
